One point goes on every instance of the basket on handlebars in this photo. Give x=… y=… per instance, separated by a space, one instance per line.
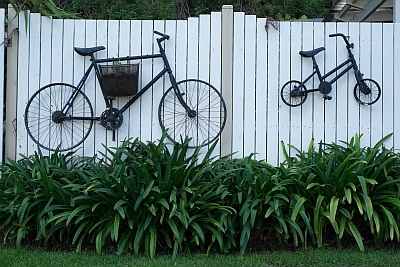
x=119 y=79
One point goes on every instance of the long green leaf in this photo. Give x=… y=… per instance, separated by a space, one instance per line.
x=333 y=208
x=357 y=236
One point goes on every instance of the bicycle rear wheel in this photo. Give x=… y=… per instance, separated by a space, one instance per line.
x=293 y=93
x=370 y=95
x=53 y=128
x=202 y=126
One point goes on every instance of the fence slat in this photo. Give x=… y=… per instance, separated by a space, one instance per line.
x=249 y=109
x=388 y=100
x=365 y=67
x=273 y=102
x=319 y=112
x=330 y=62
x=344 y=86
x=23 y=71
x=261 y=89
x=136 y=49
x=238 y=84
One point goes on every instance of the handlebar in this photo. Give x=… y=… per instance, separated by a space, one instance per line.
x=163 y=36
x=345 y=38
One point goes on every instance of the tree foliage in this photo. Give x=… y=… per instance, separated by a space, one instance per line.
x=181 y=9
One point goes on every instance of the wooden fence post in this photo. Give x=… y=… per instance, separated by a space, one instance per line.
x=227 y=76
x=11 y=87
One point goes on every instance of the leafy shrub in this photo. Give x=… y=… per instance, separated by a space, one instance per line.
x=157 y=197
x=349 y=188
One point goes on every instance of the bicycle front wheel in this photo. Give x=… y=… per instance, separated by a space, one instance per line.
x=206 y=120
x=54 y=125
x=370 y=94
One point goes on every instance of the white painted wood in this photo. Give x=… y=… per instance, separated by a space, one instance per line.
x=296 y=113
x=34 y=70
x=227 y=28
x=344 y=86
x=330 y=63
x=79 y=68
x=365 y=67
x=204 y=54
x=261 y=104
x=249 y=110
x=23 y=74
x=274 y=102
x=377 y=74
x=318 y=118
x=134 y=110
x=396 y=80
x=306 y=69
x=284 y=63
x=215 y=70
x=262 y=62
x=11 y=133
x=158 y=65
x=353 y=122
x=388 y=101
x=238 y=84
x=92 y=89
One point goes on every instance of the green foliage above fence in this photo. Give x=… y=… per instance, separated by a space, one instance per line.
x=181 y=9
x=150 y=198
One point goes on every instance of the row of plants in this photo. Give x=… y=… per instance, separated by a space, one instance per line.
x=162 y=198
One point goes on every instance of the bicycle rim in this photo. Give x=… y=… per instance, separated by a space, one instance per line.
x=367 y=98
x=64 y=134
x=209 y=108
x=287 y=91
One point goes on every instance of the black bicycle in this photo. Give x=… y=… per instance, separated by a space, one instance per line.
x=59 y=116
x=366 y=91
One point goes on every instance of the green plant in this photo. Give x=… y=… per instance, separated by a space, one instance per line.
x=161 y=197
x=45 y=7
x=117 y=67
x=28 y=187
x=349 y=188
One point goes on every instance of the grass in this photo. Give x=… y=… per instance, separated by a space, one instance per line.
x=314 y=257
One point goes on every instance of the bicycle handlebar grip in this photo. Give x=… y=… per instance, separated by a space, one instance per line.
x=344 y=38
x=164 y=36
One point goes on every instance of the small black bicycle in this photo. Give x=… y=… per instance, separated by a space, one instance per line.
x=59 y=116
x=366 y=91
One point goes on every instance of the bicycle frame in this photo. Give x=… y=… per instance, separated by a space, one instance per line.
x=94 y=65
x=352 y=65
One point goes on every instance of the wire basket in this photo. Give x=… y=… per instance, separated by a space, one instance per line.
x=119 y=79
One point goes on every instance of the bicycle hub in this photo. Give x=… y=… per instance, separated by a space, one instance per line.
x=58 y=116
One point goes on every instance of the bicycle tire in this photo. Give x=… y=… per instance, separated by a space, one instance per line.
x=41 y=117
x=289 y=98
x=371 y=97
x=205 y=100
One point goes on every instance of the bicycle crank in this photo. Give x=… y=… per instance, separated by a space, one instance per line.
x=111 y=119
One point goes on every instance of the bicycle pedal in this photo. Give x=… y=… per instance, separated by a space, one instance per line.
x=327 y=97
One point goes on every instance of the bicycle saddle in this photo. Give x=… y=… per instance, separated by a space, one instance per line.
x=311 y=53
x=88 y=51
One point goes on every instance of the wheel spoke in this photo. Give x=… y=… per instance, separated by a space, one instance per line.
x=62 y=134
x=210 y=110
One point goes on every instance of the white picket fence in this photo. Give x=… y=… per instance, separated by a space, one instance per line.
x=262 y=61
